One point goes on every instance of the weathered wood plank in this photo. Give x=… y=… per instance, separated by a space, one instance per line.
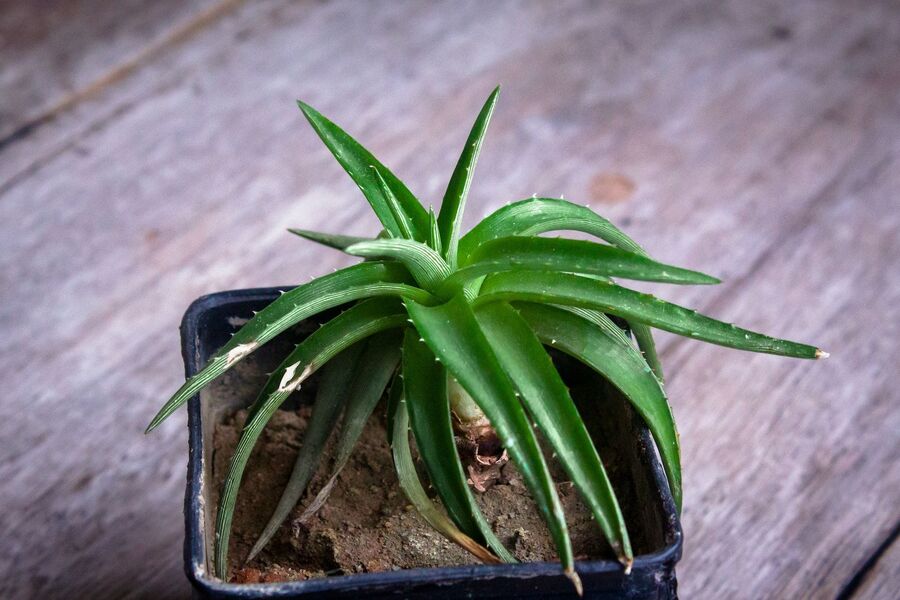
x=83 y=57
x=65 y=51
x=794 y=468
x=731 y=122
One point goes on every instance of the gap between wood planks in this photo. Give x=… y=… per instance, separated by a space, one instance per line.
x=856 y=582
x=179 y=34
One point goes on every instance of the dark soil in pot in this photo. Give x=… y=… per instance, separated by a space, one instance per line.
x=367 y=525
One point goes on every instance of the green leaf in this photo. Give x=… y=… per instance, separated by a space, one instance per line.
x=600 y=320
x=450 y=218
x=359 y=163
x=454 y=336
x=518 y=253
x=373 y=309
x=541 y=215
x=329 y=401
x=332 y=240
x=425 y=391
x=395 y=395
x=533 y=216
x=611 y=329
x=562 y=288
x=548 y=402
x=370 y=378
x=434 y=235
x=403 y=222
x=361 y=321
x=644 y=338
x=604 y=348
x=425 y=265
x=398 y=432
x=328 y=291
x=641 y=334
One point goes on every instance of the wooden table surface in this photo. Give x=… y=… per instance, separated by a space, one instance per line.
x=151 y=152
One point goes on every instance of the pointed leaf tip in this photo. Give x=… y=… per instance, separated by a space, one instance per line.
x=567 y=289
x=308 y=111
x=820 y=354
x=332 y=240
x=453 y=204
x=572 y=576
x=358 y=163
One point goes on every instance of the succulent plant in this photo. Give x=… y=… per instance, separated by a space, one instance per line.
x=457 y=326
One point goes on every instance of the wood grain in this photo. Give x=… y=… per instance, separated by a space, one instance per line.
x=759 y=143
x=796 y=461
x=68 y=50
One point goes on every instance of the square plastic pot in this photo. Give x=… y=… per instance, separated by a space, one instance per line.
x=208 y=324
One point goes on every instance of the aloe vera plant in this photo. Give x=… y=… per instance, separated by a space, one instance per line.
x=457 y=327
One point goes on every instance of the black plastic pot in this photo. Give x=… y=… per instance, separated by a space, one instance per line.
x=652 y=520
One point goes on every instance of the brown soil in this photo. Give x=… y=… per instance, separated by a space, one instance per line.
x=366 y=524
